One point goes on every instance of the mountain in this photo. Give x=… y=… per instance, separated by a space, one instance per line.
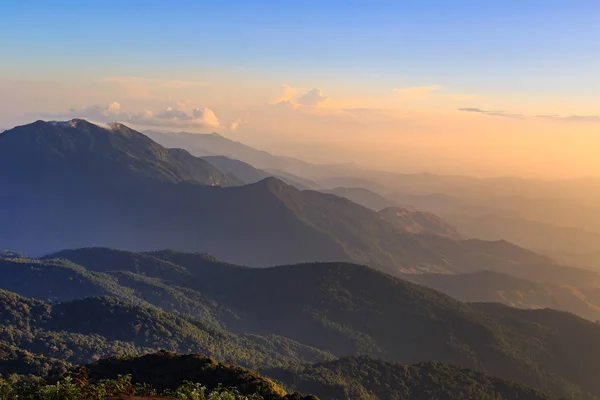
x=365 y=378
x=80 y=150
x=159 y=375
x=294 y=180
x=90 y=328
x=362 y=196
x=419 y=222
x=213 y=144
x=495 y=287
x=92 y=186
x=14 y=360
x=248 y=174
x=196 y=376
x=244 y=171
x=355 y=182
x=165 y=370
x=348 y=310
x=585 y=260
x=349 y=379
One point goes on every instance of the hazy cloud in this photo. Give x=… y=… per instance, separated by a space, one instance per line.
x=471 y=109
x=574 y=118
x=493 y=113
x=582 y=118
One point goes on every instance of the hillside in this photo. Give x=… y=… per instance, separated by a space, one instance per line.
x=166 y=370
x=495 y=287
x=348 y=310
x=84 y=330
x=362 y=196
x=419 y=222
x=14 y=360
x=161 y=375
x=41 y=150
x=244 y=171
x=364 y=378
x=213 y=144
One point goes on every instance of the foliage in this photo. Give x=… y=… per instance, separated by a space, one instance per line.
x=85 y=330
x=69 y=388
x=294 y=314
x=364 y=378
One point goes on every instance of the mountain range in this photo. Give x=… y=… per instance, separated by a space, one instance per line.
x=213 y=144
x=281 y=318
x=75 y=184
x=553 y=217
x=337 y=297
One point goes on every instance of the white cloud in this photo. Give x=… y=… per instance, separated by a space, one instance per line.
x=292 y=98
x=206 y=115
x=169 y=117
x=552 y=117
x=288 y=94
x=314 y=97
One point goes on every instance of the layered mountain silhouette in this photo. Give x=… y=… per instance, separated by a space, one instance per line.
x=74 y=184
x=213 y=144
x=364 y=197
x=419 y=222
x=497 y=287
x=244 y=171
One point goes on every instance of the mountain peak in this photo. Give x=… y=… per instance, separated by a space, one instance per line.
x=87 y=150
x=273 y=184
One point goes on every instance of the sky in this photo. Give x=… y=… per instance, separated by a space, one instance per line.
x=482 y=88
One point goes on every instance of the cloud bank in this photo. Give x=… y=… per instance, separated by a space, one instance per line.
x=554 y=117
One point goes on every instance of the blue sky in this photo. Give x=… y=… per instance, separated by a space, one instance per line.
x=280 y=73
x=480 y=44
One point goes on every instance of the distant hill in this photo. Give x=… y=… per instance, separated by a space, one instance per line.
x=244 y=171
x=213 y=144
x=488 y=286
x=364 y=197
x=419 y=222
x=294 y=180
x=356 y=182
